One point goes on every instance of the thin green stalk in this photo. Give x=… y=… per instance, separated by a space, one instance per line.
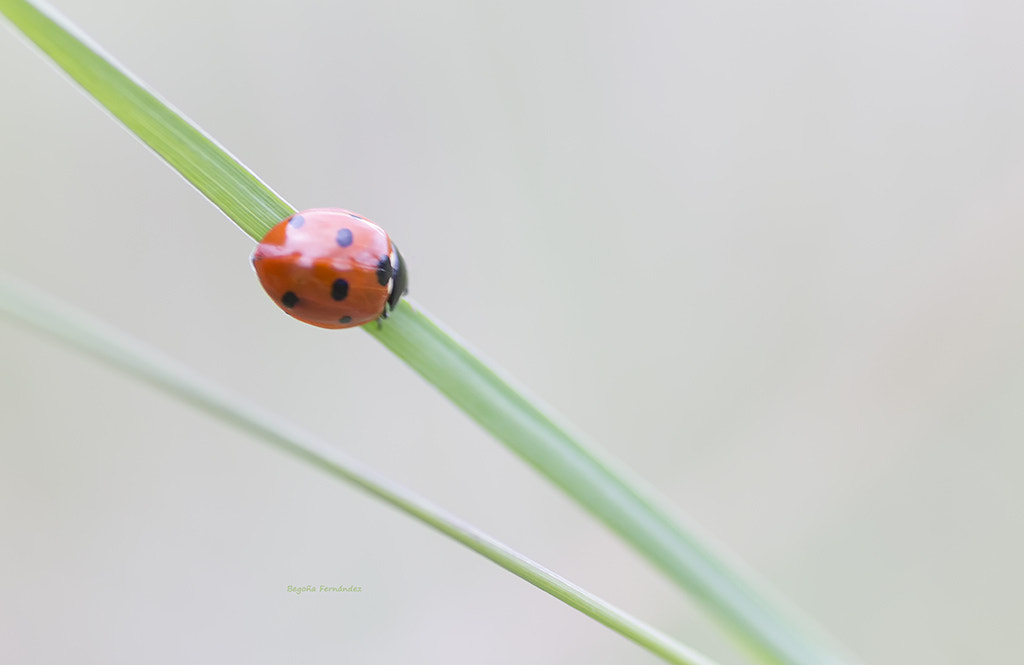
x=741 y=603
x=31 y=307
x=181 y=143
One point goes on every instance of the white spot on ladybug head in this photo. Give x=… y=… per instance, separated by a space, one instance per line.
x=394 y=263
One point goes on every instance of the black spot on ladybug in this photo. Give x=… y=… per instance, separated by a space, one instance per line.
x=384 y=270
x=296 y=221
x=290 y=299
x=344 y=237
x=345 y=319
x=339 y=290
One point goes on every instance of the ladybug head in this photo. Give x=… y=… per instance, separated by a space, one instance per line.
x=399 y=278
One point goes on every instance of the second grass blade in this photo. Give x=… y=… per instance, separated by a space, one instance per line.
x=93 y=337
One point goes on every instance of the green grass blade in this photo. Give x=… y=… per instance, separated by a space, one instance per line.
x=189 y=150
x=689 y=558
x=525 y=425
x=29 y=306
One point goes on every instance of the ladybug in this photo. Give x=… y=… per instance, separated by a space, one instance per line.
x=331 y=268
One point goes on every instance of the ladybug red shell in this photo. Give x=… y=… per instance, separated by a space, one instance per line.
x=331 y=268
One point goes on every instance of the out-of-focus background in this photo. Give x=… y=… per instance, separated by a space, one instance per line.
x=770 y=255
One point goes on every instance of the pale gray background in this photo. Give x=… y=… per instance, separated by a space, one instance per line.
x=770 y=254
